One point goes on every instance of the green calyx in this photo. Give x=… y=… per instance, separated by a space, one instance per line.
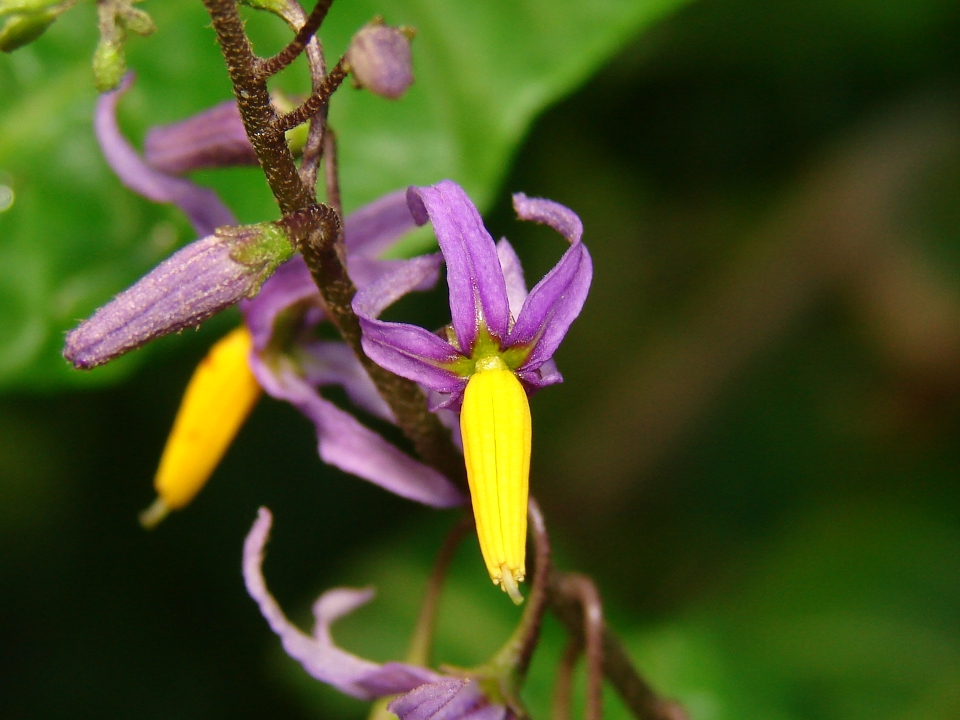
x=486 y=348
x=261 y=247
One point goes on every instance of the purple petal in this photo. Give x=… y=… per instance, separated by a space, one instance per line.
x=193 y=284
x=407 y=350
x=344 y=442
x=333 y=363
x=557 y=299
x=201 y=205
x=513 y=276
x=541 y=377
x=477 y=288
x=446 y=699
x=373 y=228
x=210 y=139
x=318 y=655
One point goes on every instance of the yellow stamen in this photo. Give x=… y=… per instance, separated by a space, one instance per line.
x=495 y=425
x=220 y=395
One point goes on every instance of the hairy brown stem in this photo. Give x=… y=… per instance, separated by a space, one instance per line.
x=330 y=171
x=318 y=242
x=563 y=690
x=271 y=66
x=637 y=693
x=316 y=102
x=585 y=591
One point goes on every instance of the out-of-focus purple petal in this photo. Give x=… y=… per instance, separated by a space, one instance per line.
x=318 y=655
x=201 y=205
x=325 y=362
x=373 y=228
x=546 y=374
x=193 y=284
x=512 y=276
x=403 y=277
x=556 y=300
x=210 y=139
x=344 y=442
x=477 y=287
x=448 y=698
x=289 y=285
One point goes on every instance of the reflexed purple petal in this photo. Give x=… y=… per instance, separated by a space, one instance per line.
x=477 y=287
x=289 y=285
x=344 y=442
x=513 y=276
x=489 y=712
x=401 y=278
x=373 y=228
x=446 y=699
x=193 y=284
x=546 y=374
x=333 y=363
x=319 y=657
x=201 y=205
x=395 y=678
x=210 y=139
x=557 y=299
x=413 y=353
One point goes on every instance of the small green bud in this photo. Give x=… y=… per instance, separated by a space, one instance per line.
x=109 y=65
x=137 y=21
x=25 y=7
x=20 y=30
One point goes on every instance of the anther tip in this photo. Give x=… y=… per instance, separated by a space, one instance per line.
x=508 y=583
x=152 y=516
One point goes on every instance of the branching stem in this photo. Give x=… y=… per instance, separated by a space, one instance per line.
x=271 y=66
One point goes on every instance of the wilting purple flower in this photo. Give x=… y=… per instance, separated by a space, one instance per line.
x=428 y=695
x=195 y=283
x=291 y=364
x=490 y=308
x=213 y=138
x=379 y=58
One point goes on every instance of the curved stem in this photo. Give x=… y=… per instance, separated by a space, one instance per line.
x=271 y=66
x=563 y=690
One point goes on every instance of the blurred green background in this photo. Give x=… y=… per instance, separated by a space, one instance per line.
x=756 y=447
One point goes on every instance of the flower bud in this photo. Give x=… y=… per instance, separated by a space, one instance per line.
x=20 y=30
x=137 y=21
x=212 y=138
x=195 y=283
x=109 y=65
x=379 y=58
x=26 y=7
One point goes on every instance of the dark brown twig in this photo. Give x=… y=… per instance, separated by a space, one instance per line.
x=271 y=66
x=585 y=591
x=563 y=690
x=316 y=102
x=330 y=173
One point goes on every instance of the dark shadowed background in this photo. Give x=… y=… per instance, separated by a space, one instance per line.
x=755 y=451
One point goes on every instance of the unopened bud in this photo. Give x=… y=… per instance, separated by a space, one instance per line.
x=137 y=21
x=379 y=58
x=26 y=7
x=210 y=139
x=109 y=65
x=20 y=30
x=197 y=282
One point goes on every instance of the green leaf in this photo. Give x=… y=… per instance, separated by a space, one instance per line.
x=73 y=236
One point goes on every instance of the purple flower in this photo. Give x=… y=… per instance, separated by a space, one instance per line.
x=379 y=58
x=498 y=350
x=490 y=309
x=291 y=364
x=426 y=695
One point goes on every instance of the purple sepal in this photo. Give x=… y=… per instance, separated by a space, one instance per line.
x=185 y=289
x=210 y=139
x=318 y=655
x=557 y=299
x=478 y=291
x=201 y=205
x=448 y=698
x=379 y=58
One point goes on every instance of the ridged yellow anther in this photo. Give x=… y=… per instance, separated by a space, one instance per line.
x=495 y=426
x=218 y=399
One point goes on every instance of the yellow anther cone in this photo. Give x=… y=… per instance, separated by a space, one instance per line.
x=217 y=401
x=495 y=425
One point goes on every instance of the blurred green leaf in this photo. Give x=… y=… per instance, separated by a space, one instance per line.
x=73 y=236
